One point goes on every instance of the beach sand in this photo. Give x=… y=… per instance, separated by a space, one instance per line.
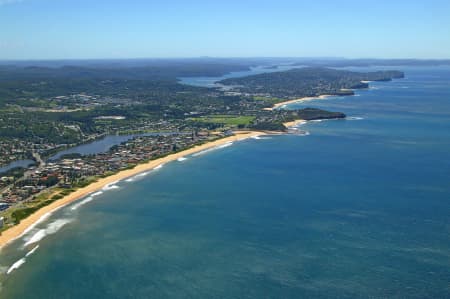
x=300 y=100
x=294 y=123
x=18 y=230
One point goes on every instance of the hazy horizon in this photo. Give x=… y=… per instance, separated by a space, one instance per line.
x=68 y=30
x=223 y=58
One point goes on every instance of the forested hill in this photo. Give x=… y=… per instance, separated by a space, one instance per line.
x=309 y=81
x=107 y=72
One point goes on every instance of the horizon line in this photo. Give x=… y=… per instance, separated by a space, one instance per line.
x=222 y=57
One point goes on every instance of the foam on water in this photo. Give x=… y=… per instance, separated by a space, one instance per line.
x=32 y=251
x=213 y=148
x=111 y=186
x=40 y=220
x=300 y=123
x=142 y=174
x=84 y=201
x=51 y=228
x=158 y=167
x=225 y=145
x=137 y=176
x=181 y=159
x=298 y=132
x=303 y=133
x=16 y=265
x=36 y=237
x=22 y=261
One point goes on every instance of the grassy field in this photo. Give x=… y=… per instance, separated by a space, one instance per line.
x=228 y=120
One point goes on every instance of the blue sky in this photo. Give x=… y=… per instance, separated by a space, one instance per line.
x=72 y=29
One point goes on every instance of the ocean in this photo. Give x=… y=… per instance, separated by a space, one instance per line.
x=359 y=208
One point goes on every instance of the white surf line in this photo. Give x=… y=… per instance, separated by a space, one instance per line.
x=51 y=229
x=16 y=265
x=40 y=220
x=22 y=261
x=85 y=200
x=111 y=186
x=32 y=251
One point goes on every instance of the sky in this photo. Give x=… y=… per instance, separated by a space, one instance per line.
x=92 y=29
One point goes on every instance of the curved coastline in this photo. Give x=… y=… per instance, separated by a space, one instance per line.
x=299 y=100
x=18 y=230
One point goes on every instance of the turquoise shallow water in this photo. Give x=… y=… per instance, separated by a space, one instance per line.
x=359 y=208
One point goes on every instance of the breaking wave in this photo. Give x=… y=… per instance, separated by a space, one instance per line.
x=137 y=176
x=40 y=220
x=213 y=148
x=260 y=137
x=22 y=261
x=158 y=167
x=32 y=251
x=303 y=133
x=16 y=265
x=111 y=186
x=142 y=174
x=84 y=201
x=51 y=228
x=181 y=159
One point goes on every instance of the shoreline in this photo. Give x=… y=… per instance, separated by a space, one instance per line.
x=26 y=224
x=294 y=123
x=20 y=229
x=299 y=100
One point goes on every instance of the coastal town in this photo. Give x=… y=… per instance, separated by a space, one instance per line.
x=41 y=123
x=71 y=171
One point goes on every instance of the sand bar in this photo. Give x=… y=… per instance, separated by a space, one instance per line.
x=19 y=229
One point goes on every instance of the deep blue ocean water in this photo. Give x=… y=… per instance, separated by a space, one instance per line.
x=360 y=208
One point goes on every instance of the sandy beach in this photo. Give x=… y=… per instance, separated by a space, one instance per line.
x=18 y=230
x=294 y=123
x=300 y=100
